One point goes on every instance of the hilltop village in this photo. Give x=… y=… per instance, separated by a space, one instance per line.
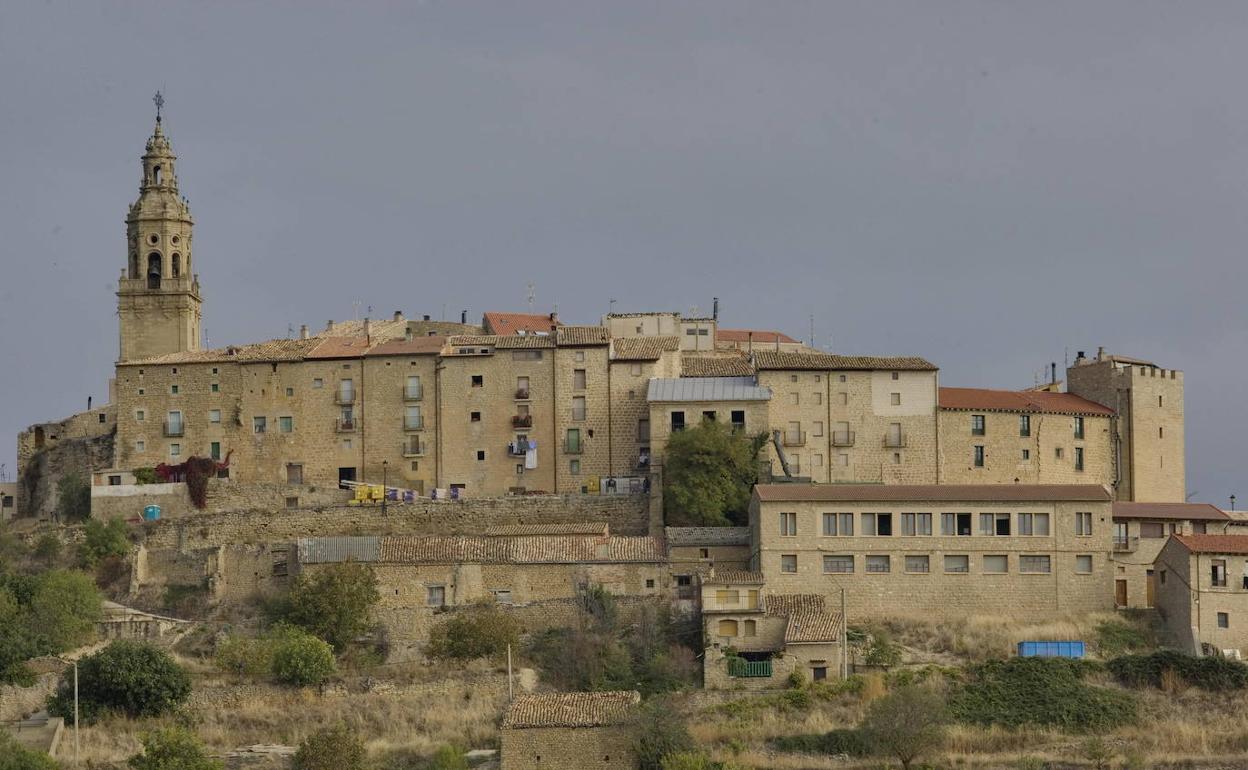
x=518 y=467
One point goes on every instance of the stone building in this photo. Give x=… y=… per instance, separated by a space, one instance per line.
x=8 y=500
x=1202 y=592
x=570 y=731
x=956 y=550
x=1141 y=530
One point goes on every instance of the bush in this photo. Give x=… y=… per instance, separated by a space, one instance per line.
x=448 y=758
x=145 y=476
x=103 y=540
x=73 y=498
x=882 y=651
x=131 y=678
x=1114 y=637
x=48 y=548
x=334 y=604
x=661 y=733
x=694 y=760
x=335 y=748
x=1210 y=673
x=299 y=658
x=480 y=631
x=243 y=655
x=14 y=756
x=1040 y=691
x=173 y=748
x=836 y=742
x=907 y=723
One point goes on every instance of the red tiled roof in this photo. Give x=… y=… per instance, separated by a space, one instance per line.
x=1030 y=401
x=1234 y=544
x=570 y=709
x=901 y=493
x=759 y=335
x=1173 y=511
x=514 y=323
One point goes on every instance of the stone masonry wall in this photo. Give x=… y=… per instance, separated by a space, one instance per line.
x=569 y=748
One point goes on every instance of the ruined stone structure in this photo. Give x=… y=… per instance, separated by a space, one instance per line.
x=570 y=731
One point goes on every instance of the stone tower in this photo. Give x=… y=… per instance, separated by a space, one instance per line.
x=158 y=300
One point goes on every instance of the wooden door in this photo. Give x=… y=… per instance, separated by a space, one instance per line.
x=1150 y=586
x=1120 y=593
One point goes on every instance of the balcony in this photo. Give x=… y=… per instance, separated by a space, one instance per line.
x=749 y=668
x=1123 y=544
x=573 y=447
x=522 y=421
x=174 y=429
x=843 y=438
x=344 y=397
x=522 y=394
x=895 y=440
x=345 y=425
x=413 y=448
x=414 y=423
x=516 y=449
x=413 y=393
x=795 y=438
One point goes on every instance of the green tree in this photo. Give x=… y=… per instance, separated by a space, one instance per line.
x=173 y=748
x=660 y=733
x=73 y=498
x=102 y=540
x=907 y=723
x=48 y=548
x=14 y=756
x=709 y=470
x=335 y=748
x=335 y=603
x=299 y=658
x=65 y=609
x=481 y=631
x=132 y=678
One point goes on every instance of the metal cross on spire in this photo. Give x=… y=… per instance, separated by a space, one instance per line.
x=159 y=101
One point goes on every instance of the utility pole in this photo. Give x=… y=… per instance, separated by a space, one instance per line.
x=385 y=492
x=844 y=639
x=77 y=746
x=510 y=693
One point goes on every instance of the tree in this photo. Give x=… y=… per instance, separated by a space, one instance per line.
x=65 y=609
x=335 y=603
x=907 y=723
x=480 y=631
x=14 y=756
x=173 y=748
x=133 y=678
x=102 y=540
x=708 y=472
x=48 y=548
x=73 y=498
x=300 y=658
x=660 y=732
x=335 y=748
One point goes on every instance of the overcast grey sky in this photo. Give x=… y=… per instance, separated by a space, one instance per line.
x=989 y=185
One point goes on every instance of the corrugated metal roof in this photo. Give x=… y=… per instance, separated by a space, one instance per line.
x=707 y=389
x=329 y=550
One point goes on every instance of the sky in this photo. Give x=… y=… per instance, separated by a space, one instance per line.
x=991 y=185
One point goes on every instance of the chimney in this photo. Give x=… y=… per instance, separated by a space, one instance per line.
x=554 y=317
x=425 y=317
x=329 y=326
x=88 y=403
x=463 y=316
x=303 y=332
x=368 y=328
x=749 y=341
x=1100 y=353
x=1053 y=369
x=398 y=315
x=407 y=334
x=715 y=308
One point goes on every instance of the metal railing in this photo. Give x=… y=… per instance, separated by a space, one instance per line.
x=413 y=392
x=174 y=429
x=413 y=448
x=843 y=438
x=895 y=440
x=516 y=449
x=1126 y=544
x=795 y=439
x=522 y=394
x=522 y=421
x=344 y=397
x=345 y=425
x=749 y=668
x=414 y=423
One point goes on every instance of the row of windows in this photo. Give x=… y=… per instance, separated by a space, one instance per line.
x=978 y=455
x=921 y=564
x=175 y=426
x=979 y=425
x=951 y=524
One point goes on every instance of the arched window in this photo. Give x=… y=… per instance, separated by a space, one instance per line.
x=153 y=270
x=156 y=174
x=176 y=269
x=134 y=265
x=727 y=628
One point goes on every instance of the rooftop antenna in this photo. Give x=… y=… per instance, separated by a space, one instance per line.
x=611 y=306
x=290 y=331
x=355 y=308
x=532 y=297
x=812 y=330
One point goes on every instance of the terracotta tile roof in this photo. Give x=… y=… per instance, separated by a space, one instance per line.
x=1232 y=544
x=340 y=346
x=272 y=350
x=773 y=359
x=503 y=343
x=416 y=346
x=715 y=366
x=809 y=620
x=507 y=324
x=535 y=549
x=954 y=493
x=1030 y=401
x=570 y=709
x=571 y=336
x=758 y=335
x=1173 y=511
x=642 y=348
x=707 y=536
x=575 y=528
x=723 y=577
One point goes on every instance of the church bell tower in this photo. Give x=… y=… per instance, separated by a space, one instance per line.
x=158 y=300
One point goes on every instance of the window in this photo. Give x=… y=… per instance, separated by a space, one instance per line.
x=1152 y=529
x=140 y=445
x=140 y=415
x=817 y=429
x=216 y=388
x=839 y=565
x=214 y=415
x=958 y=563
x=140 y=391
x=788 y=563
x=1224 y=619
x=173 y=389
x=501 y=595
x=175 y=423
x=1083 y=523
x=842 y=459
x=574 y=467
x=838 y=524
x=1217 y=573
x=480 y=455
x=708 y=415
x=916 y=523
x=977 y=425
x=578 y=407
x=738 y=419
x=816 y=398
x=522 y=387
x=678 y=421
x=1034 y=565
x=1024 y=425
x=844 y=396
x=795 y=399
x=643 y=429
x=840 y=378
x=474 y=416
x=955 y=524
x=996 y=564
x=1036 y=524
x=751 y=627
x=878 y=563
x=979 y=456
x=580 y=355
x=572 y=441
x=894 y=399
x=635 y=370
x=896 y=375
x=175 y=450
x=1078 y=427
x=1159 y=402
x=994 y=524
x=727 y=596
x=259 y=424
x=1057 y=452
x=726 y=627
x=412 y=388
x=879 y=524
x=1083 y=564
x=478 y=380
x=290 y=392
x=918 y=564
x=214 y=450
x=1078 y=458
x=318 y=383
x=788 y=525
x=435 y=596
x=578 y=379
x=285 y=424
x=1026 y=455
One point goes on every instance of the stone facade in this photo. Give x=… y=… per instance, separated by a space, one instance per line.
x=1141 y=530
x=570 y=731
x=1202 y=592
x=46 y=452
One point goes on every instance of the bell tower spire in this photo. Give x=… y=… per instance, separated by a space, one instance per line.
x=158 y=300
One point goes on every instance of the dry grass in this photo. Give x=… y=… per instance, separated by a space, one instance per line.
x=984 y=637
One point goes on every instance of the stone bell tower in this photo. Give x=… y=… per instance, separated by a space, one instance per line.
x=158 y=300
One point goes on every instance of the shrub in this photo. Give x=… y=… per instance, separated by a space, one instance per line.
x=1154 y=670
x=145 y=476
x=73 y=498
x=660 y=732
x=334 y=604
x=173 y=748
x=335 y=748
x=244 y=655
x=48 y=548
x=907 y=723
x=102 y=540
x=836 y=742
x=882 y=651
x=299 y=658
x=1040 y=691
x=131 y=678
x=693 y=760
x=1115 y=637
x=480 y=631
x=448 y=758
x=14 y=756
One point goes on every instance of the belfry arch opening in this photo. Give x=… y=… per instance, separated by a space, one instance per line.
x=175 y=266
x=153 y=270
x=156 y=174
